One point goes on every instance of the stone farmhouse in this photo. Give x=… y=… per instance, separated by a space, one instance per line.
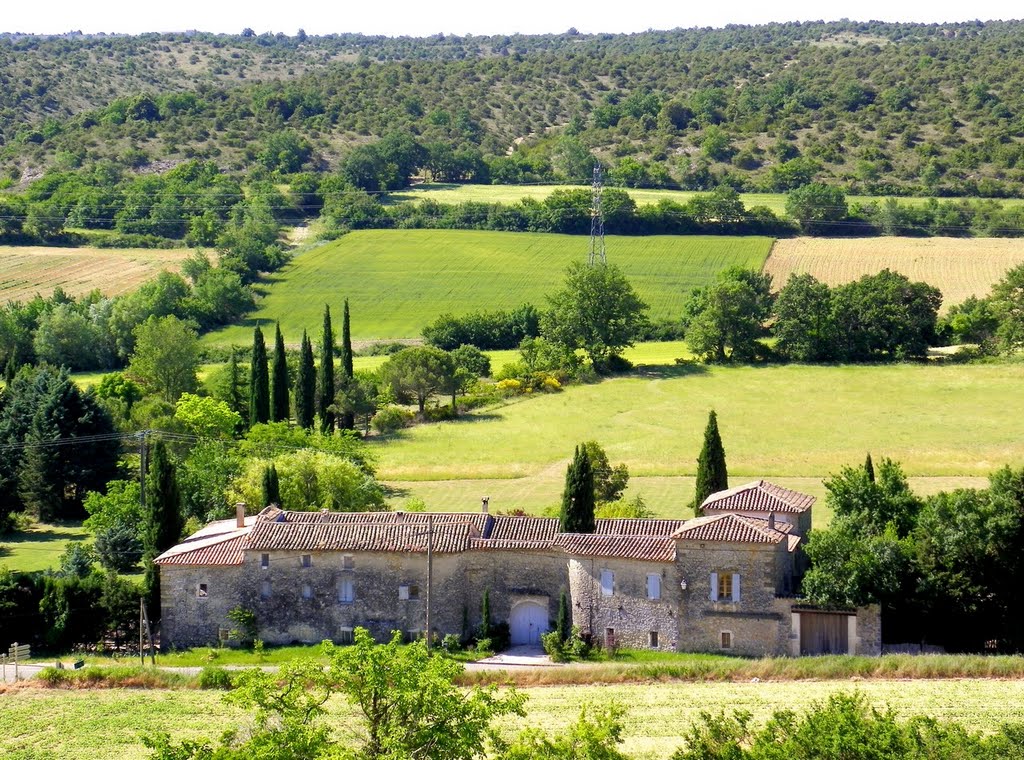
x=722 y=582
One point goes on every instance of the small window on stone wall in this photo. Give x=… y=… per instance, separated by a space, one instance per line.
x=201 y=591
x=346 y=591
x=345 y=636
x=653 y=639
x=307 y=560
x=264 y=561
x=726 y=639
x=265 y=590
x=348 y=562
x=307 y=591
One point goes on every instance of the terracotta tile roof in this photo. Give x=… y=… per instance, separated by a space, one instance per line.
x=224 y=550
x=731 y=528
x=490 y=544
x=481 y=522
x=652 y=549
x=638 y=527
x=524 y=529
x=759 y=496
x=366 y=536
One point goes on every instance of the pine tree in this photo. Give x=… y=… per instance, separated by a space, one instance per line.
x=271 y=487
x=577 y=514
x=162 y=523
x=325 y=378
x=305 y=386
x=869 y=468
x=347 y=420
x=259 y=381
x=563 y=623
x=711 y=471
x=279 y=407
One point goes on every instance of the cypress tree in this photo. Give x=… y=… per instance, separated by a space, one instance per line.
x=162 y=523
x=271 y=487
x=325 y=378
x=485 y=615
x=279 y=407
x=711 y=471
x=305 y=386
x=259 y=381
x=236 y=396
x=563 y=623
x=869 y=468
x=347 y=420
x=577 y=513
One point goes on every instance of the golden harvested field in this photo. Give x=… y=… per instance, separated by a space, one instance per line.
x=958 y=267
x=28 y=270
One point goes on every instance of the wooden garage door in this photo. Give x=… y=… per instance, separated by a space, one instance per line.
x=824 y=633
x=529 y=620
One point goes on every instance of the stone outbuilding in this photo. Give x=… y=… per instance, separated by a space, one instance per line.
x=723 y=582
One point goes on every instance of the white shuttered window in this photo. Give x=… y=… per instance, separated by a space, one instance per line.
x=607 y=583
x=653 y=586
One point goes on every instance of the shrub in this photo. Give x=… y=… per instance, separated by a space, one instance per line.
x=509 y=387
x=451 y=642
x=573 y=648
x=212 y=677
x=391 y=418
x=118 y=547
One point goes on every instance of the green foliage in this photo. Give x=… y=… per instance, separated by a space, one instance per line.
x=419 y=372
x=246 y=624
x=77 y=560
x=563 y=622
x=484 y=329
x=609 y=482
x=118 y=547
x=577 y=511
x=597 y=311
x=572 y=648
x=259 y=381
x=712 y=474
x=325 y=376
x=206 y=417
x=305 y=386
x=311 y=480
x=270 y=491
x=347 y=420
x=280 y=408
x=166 y=357
x=1008 y=307
x=596 y=735
x=213 y=677
x=726 y=320
x=815 y=205
x=874 y=500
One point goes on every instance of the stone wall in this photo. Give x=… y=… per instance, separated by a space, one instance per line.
x=627 y=612
x=190 y=620
x=758 y=624
x=869 y=630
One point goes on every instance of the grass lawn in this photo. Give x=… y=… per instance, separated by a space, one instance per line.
x=109 y=724
x=397 y=281
x=39 y=548
x=948 y=425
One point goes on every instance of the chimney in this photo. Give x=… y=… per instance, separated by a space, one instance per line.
x=484 y=503
x=240 y=514
x=771 y=521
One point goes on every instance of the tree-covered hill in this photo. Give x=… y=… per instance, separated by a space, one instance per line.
x=874 y=107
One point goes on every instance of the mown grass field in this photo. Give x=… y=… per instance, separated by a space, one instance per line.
x=28 y=270
x=109 y=724
x=445 y=193
x=959 y=267
x=948 y=425
x=397 y=281
x=39 y=548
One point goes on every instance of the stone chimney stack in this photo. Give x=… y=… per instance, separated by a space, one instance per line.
x=485 y=503
x=240 y=514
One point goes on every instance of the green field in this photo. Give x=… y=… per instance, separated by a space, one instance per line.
x=948 y=425
x=39 y=548
x=443 y=193
x=108 y=724
x=397 y=281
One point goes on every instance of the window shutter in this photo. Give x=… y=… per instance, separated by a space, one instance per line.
x=735 y=587
x=653 y=586
x=714 y=587
x=607 y=582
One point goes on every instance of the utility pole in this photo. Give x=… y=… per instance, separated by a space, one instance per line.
x=430 y=574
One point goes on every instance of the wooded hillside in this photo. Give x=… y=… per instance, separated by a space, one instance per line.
x=877 y=108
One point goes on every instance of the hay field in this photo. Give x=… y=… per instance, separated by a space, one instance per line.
x=959 y=267
x=109 y=723
x=28 y=270
x=397 y=281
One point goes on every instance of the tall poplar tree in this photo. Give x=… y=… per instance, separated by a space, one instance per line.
x=325 y=377
x=577 y=513
x=305 y=386
x=711 y=471
x=279 y=406
x=259 y=381
x=347 y=420
x=162 y=522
